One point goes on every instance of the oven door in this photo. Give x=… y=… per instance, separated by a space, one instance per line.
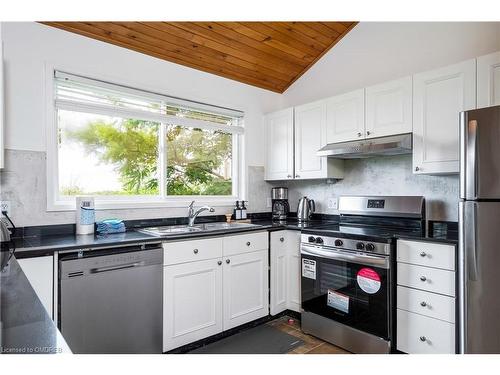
x=349 y=287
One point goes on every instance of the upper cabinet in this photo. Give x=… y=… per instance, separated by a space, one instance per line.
x=389 y=108
x=294 y=137
x=438 y=97
x=345 y=117
x=279 y=131
x=2 y=104
x=488 y=80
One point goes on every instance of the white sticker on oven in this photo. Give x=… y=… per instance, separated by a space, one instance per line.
x=338 y=301
x=368 y=280
x=309 y=268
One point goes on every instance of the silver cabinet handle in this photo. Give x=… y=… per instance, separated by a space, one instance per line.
x=195 y=251
x=423 y=278
x=248 y=243
x=368 y=133
x=417 y=169
x=423 y=303
x=423 y=338
x=360 y=134
x=282 y=239
x=228 y=261
x=219 y=262
x=423 y=254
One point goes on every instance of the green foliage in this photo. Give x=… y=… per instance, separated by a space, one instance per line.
x=193 y=157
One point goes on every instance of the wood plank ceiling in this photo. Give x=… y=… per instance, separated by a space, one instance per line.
x=269 y=55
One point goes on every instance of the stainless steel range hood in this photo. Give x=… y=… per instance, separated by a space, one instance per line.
x=383 y=146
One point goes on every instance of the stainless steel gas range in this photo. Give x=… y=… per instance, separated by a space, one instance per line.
x=348 y=274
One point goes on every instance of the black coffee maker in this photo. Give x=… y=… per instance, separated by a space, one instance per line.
x=279 y=197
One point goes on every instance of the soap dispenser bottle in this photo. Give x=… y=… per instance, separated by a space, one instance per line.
x=243 y=210
x=237 y=211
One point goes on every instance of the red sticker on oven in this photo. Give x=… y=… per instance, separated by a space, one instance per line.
x=368 y=280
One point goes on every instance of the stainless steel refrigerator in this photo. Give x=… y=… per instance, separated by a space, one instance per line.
x=479 y=223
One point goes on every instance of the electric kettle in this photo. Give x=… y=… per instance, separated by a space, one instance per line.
x=305 y=209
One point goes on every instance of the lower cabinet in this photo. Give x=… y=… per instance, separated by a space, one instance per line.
x=40 y=273
x=213 y=285
x=285 y=271
x=192 y=309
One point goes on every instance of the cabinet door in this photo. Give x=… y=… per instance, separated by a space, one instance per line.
x=192 y=302
x=279 y=275
x=245 y=288
x=310 y=136
x=488 y=80
x=438 y=98
x=389 y=108
x=345 y=117
x=2 y=104
x=279 y=158
x=40 y=273
x=292 y=240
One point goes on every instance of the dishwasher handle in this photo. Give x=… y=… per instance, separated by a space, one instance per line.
x=115 y=268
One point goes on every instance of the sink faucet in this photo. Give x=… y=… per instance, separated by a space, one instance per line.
x=192 y=214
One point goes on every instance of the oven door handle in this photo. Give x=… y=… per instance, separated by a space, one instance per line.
x=367 y=260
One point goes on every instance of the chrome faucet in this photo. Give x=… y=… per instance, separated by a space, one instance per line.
x=192 y=214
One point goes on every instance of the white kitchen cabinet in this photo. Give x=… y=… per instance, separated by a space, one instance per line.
x=438 y=97
x=2 y=103
x=245 y=288
x=192 y=302
x=488 y=80
x=40 y=273
x=279 y=138
x=285 y=271
x=389 y=108
x=345 y=117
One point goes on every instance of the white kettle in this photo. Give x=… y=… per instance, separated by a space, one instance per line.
x=305 y=209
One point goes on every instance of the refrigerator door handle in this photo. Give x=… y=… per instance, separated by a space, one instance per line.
x=471 y=179
x=471 y=243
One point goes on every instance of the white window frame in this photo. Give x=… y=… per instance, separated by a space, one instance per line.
x=56 y=203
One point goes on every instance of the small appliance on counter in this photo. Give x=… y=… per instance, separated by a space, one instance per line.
x=305 y=209
x=85 y=215
x=280 y=206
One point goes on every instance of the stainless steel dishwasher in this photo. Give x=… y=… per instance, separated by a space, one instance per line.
x=110 y=300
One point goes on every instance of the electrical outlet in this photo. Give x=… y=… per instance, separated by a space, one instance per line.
x=5 y=206
x=333 y=203
x=269 y=202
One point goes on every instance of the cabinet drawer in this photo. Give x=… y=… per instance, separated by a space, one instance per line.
x=426 y=303
x=189 y=251
x=245 y=243
x=417 y=334
x=426 y=278
x=426 y=254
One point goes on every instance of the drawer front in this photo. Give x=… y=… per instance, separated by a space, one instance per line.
x=190 y=251
x=418 y=334
x=245 y=243
x=426 y=254
x=426 y=278
x=426 y=303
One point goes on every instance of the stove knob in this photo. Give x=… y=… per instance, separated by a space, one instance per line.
x=311 y=239
x=338 y=243
x=319 y=240
x=360 y=246
x=370 y=247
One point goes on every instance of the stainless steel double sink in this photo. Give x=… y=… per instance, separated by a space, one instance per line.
x=172 y=230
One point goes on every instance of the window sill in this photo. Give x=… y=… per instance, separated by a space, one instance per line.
x=180 y=202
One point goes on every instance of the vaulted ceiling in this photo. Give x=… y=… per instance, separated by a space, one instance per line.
x=269 y=55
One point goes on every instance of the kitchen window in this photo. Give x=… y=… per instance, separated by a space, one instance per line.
x=134 y=148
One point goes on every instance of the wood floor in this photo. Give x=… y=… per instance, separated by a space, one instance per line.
x=312 y=345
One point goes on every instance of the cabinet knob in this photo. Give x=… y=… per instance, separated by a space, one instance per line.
x=289 y=176
x=368 y=133
x=423 y=303
x=195 y=251
x=417 y=169
x=360 y=134
x=282 y=239
x=297 y=176
x=228 y=261
x=423 y=338
x=219 y=262
x=423 y=278
x=248 y=243
x=423 y=254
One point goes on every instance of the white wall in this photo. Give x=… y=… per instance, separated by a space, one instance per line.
x=375 y=52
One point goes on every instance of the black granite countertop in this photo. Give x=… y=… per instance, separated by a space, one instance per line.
x=26 y=327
